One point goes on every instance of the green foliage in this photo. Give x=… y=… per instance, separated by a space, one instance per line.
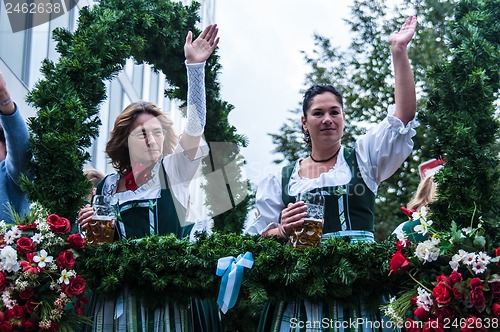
x=363 y=74
x=68 y=98
x=462 y=121
x=159 y=267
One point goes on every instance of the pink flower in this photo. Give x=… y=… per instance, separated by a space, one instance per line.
x=30 y=265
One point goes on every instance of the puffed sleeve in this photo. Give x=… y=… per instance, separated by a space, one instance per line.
x=181 y=170
x=269 y=205
x=382 y=150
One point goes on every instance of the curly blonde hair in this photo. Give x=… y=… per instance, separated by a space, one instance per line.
x=117 y=146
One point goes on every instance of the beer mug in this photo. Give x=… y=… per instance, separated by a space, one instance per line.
x=101 y=229
x=309 y=234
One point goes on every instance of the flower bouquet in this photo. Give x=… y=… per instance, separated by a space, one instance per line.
x=40 y=289
x=454 y=278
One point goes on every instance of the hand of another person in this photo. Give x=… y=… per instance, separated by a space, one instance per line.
x=293 y=216
x=402 y=37
x=199 y=50
x=6 y=104
x=85 y=216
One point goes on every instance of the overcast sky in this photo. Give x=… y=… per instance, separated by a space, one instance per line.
x=262 y=68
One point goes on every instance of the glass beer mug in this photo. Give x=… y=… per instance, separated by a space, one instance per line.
x=309 y=234
x=101 y=229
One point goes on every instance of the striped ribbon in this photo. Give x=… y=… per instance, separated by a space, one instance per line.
x=231 y=270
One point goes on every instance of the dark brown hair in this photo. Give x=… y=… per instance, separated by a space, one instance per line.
x=117 y=146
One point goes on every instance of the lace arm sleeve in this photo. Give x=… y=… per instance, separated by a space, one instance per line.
x=196 y=99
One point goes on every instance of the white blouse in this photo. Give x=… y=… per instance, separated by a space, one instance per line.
x=379 y=154
x=180 y=171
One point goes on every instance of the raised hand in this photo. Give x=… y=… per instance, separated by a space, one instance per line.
x=203 y=46
x=405 y=34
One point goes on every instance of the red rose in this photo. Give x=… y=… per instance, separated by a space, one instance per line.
x=442 y=278
x=495 y=290
x=442 y=293
x=457 y=293
x=476 y=297
x=433 y=325
x=455 y=277
x=17 y=312
x=413 y=301
x=497 y=252
x=472 y=324
x=398 y=261
x=75 y=287
x=3 y=280
x=5 y=326
x=76 y=241
x=58 y=225
x=496 y=309
x=422 y=314
x=66 y=260
x=26 y=294
x=29 y=326
x=445 y=313
x=475 y=282
x=411 y=326
x=80 y=305
x=26 y=226
x=25 y=245
x=31 y=306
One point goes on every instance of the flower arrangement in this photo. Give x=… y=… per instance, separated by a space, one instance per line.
x=454 y=278
x=40 y=289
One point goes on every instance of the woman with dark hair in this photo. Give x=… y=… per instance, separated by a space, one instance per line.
x=150 y=187
x=350 y=176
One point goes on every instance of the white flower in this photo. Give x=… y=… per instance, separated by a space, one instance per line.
x=3 y=227
x=8 y=259
x=42 y=259
x=428 y=251
x=478 y=267
x=37 y=238
x=422 y=213
x=7 y=300
x=424 y=299
x=469 y=258
x=11 y=236
x=483 y=257
x=65 y=276
x=455 y=261
x=454 y=265
x=467 y=230
x=423 y=228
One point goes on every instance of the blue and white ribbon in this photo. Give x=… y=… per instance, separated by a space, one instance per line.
x=231 y=270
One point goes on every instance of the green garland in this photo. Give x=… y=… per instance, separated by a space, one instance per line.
x=160 y=267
